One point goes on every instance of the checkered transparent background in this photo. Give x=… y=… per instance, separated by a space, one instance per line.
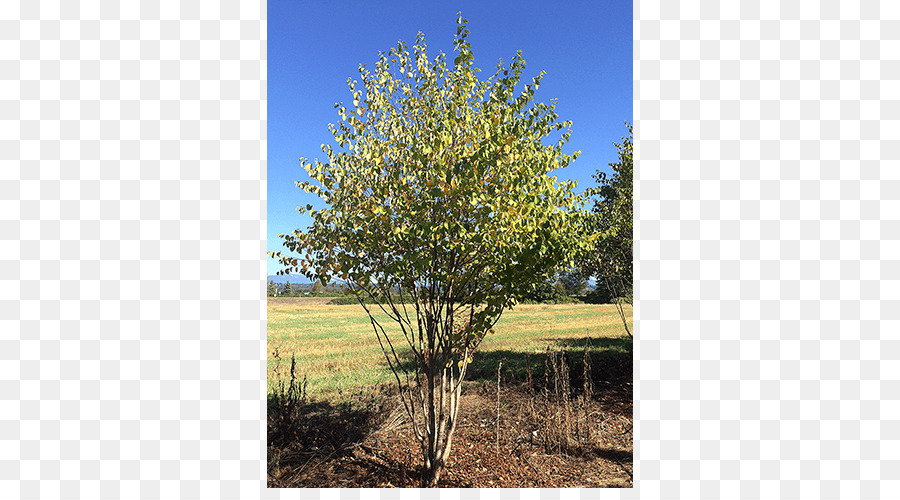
x=133 y=174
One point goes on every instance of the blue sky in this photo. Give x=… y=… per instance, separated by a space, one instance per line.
x=585 y=48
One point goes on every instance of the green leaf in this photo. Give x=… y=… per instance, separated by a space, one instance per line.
x=446 y=185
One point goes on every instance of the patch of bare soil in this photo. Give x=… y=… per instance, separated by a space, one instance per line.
x=299 y=301
x=550 y=436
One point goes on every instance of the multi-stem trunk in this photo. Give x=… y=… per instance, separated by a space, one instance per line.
x=441 y=398
x=438 y=438
x=430 y=444
x=431 y=396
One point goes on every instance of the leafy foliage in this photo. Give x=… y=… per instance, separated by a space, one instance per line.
x=611 y=262
x=287 y=290
x=573 y=282
x=270 y=289
x=548 y=290
x=439 y=189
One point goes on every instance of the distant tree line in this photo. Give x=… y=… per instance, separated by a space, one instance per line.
x=316 y=289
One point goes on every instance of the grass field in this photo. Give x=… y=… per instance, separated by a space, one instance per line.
x=336 y=348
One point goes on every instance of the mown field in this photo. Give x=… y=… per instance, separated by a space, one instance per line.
x=336 y=349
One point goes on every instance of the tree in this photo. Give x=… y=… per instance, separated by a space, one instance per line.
x=271 y=289
x=440 y=202
x=547 y=289
x=612 y=260
x=287 y=291
x=573 y=281
x=317 y=287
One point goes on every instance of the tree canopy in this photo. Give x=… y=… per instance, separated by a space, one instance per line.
x=611 y=260
x=439 y=190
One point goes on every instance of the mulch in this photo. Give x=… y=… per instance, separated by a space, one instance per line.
x=544 y=441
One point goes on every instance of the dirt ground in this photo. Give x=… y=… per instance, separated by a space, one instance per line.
x=545 y=440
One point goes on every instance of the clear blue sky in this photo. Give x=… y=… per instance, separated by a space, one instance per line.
x=585 y=48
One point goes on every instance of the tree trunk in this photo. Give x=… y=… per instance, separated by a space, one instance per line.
x=439 y=439
x=432 y=474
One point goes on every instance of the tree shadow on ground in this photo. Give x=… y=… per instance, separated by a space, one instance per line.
x=318 y=425
x=309 y=438
x=377 y=473
x=301 y=431
x=614 y=455
x=611 y=362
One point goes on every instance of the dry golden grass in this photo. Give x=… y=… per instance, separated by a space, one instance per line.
x=337 y=350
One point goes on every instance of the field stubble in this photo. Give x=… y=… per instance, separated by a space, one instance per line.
x=336 y=348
